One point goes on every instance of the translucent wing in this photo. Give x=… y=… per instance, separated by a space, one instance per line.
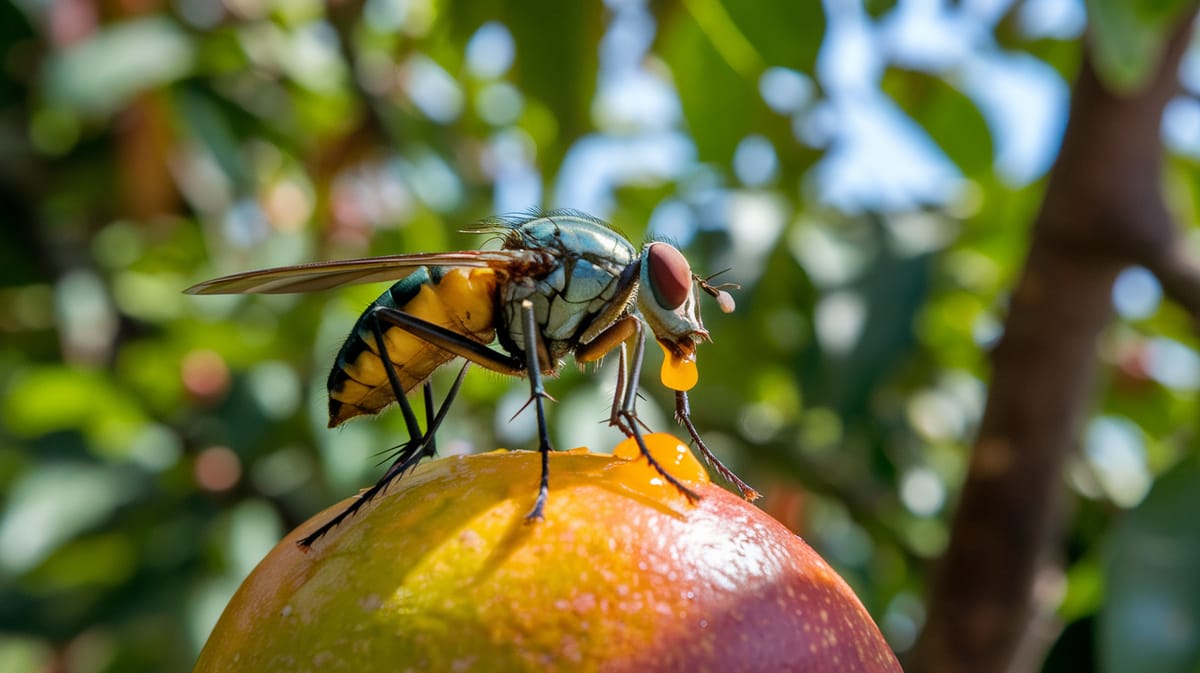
x=328 y=275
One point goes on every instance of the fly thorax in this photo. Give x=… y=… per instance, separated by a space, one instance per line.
x=512 y=296
x=583 y=288
x=579 y=296
x=581 y=291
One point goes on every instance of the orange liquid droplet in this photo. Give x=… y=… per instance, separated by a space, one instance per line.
x=678 y=373
x=673 y=454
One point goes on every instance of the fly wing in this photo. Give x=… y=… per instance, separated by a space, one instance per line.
x=328 y=275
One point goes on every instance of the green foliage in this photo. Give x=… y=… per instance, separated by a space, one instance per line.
x=1128 y=38
x=948 y=115
x=714 y=46
x=102 y=73
x=1153 y=589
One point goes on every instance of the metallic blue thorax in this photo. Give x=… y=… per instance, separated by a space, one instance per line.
x=589 y=284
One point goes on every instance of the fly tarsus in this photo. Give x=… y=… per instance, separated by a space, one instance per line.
x=630 y=423
x=684 y=417
x=535 y=514
x=394 y=472
x=537 y=398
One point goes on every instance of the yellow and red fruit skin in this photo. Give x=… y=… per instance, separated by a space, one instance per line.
x=624 y=574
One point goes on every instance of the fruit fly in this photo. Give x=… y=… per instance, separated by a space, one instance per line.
x=563 y=283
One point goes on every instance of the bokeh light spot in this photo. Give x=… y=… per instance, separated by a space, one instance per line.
x=217 y=469
x=785 y=91
x=1136 y=293
x=205 y=375
x=754 y=161
x=922 y=491
x=491 y=50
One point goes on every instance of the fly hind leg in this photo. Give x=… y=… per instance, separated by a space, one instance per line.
x=411 y=452
x=419 y=444
x=535 y=353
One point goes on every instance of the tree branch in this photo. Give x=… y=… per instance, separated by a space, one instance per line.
x=1102 y=211
x=1180 y=279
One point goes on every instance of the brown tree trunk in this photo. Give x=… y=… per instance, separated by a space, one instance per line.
x=1102 y=211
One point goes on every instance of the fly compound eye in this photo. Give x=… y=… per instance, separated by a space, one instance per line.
x=670 y=276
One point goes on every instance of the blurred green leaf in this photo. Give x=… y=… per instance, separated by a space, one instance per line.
x=53 y=502
x=1128 y=36
x=946 y=114
x=717 y=122
x=878 y=8
x=717 y=52
x=101 y=74
x=21 y=654
x=553 y=39
x=1085 y=590
x=205 y=121
x=51 y=399
x=1152 y=606
x=103 y=560
x=893 y=289
x=556 y=57
x=785 y=33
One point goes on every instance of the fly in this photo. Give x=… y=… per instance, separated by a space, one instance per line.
x=562 y=284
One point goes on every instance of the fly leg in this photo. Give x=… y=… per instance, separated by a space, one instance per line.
x=627 y=418
x=411 y=453
x=624 y=416
x=427 y=391
x=683 y=415
x=410 y=419
x=498 y=362
x=614 y=337
x=418 y=446
x=615 y=418
x=537 y=395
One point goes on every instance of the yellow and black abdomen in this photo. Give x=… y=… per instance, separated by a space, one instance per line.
x=459 y=299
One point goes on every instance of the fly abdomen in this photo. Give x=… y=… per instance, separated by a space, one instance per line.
x=459 y=299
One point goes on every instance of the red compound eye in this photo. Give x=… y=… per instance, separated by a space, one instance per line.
x=670 y=276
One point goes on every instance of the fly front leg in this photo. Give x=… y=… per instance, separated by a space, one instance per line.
x=627 y=415
x=683 y=415
x=620 y=335
x=618 y=419
x=614 y=417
